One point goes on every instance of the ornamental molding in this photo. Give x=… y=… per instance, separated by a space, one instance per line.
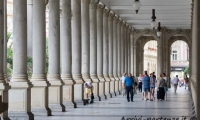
x=46 y=2
x=93 y=4
x=100 y=7
x=106 y=12
x=116 y=19
x=111 y=16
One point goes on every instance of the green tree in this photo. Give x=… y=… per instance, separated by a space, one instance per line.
x=186 y=71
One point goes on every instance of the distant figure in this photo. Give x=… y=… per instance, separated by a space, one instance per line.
x=128 y=82
x=146 y=85
x=175 y=81
x=160 y=88
x=88 y=88
x=123 y=87
x=165 y=88
x=140 y=83
x=186 y=82
x=152 y=87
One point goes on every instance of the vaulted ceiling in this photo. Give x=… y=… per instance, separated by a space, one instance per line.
x=173 y=14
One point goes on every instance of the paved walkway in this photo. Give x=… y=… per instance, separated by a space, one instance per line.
x=177 y=105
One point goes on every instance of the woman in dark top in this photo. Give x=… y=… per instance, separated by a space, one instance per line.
x=160 y=87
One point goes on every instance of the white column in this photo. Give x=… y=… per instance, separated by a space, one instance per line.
x=135 y=60
x=100 y=8
x=122 y=48
x=105 y=52
x=125 y=49
x=20 y=94
x=55 y=89
x=115 y=54
x=76 y=56
x=110 y=53
x=129 y=49
x=4 y=87
x=93 y=46
x=85 y=34
x=30 y=27
x=5 y=42
x=132 y=52
x=119 y=48
x=66 y=53
x=39 y=92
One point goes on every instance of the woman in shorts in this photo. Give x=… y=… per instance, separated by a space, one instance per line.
x=152 y=87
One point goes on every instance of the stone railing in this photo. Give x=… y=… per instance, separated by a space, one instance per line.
x=3 y=106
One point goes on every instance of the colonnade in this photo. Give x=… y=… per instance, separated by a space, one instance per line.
x=93 y=44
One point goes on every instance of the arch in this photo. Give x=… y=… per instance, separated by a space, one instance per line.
x=143 y=33
x=176 y=38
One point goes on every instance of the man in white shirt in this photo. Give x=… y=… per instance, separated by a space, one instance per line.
x=123 y=87
x=176 y=80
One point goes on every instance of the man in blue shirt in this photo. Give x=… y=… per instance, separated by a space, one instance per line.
x=146 y=85
x=129 y=87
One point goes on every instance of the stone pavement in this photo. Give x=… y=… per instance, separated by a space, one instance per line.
x=177 y=105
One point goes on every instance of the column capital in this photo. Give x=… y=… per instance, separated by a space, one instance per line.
x=100 y=7
x=111 y=16
x=116 y=19
x=106 y=12
x=46 y=2
x=85 y=1
x=93 y=4
x=60 y=12
x=29 y=2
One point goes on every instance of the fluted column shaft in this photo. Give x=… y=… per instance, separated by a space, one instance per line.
x=115 y=46
x=129 y=50
x=85 y=39
x=122 y=48
x=110 y=42
x=110 y=53
x=93 y=40
x=100 y=50
x=125 y=49
x=30 y=28
x=55 y=90
x=20 y=92
x=66 y=53
x=1 y=39
x=76 y=56
x=5 y=42
x=105 y=52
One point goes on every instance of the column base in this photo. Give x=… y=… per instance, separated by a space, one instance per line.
x=95 y=83
x=102 y=95
x=68 y=94
x=78 y=93
x=39 y=98
x=112 y=87
x=21 y=116
x=19 y=100
x=117 y=86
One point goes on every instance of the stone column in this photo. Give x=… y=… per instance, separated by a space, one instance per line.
x=39 y=92
x=100 y=8
x=119 y=48
x=141 y=59
x=105 y=52
x=76 y=56
x=55 y=89
x=135 y=60
x=5 y=42
x=66 y=76
x=115 y=54
x=20 y=93
x=125 y=49
x=29 y=27
x=122 y=48
x=4 y=87
x=196 y=58
x=93 y=46
x=110 y=53
x=128 y=49
x=131 y=59
x=85 y=45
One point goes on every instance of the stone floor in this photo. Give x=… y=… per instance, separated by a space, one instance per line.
x=177 y=105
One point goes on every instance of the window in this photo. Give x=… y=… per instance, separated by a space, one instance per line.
x=174 y=55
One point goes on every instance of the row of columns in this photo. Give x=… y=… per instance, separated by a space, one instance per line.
x=93 y=45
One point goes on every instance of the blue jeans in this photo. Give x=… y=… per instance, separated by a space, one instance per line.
x=129 y=89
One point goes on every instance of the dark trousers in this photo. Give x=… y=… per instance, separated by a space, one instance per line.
x=140 y=86
x=129 y=89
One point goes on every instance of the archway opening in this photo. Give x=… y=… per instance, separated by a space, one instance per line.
x=179 y=60
x=150 y=57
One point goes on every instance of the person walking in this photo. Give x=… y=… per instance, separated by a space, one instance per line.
x=165 y=87
x=123 y=87
x=128 y=82
x=176 y=81
x=160 y=88
x=140 y=83
x=186 y=82
x=152 y=87
x=146 y=85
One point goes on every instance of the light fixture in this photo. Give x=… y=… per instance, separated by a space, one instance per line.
x=153 y=22
x=159 y=33
x=137 y=5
